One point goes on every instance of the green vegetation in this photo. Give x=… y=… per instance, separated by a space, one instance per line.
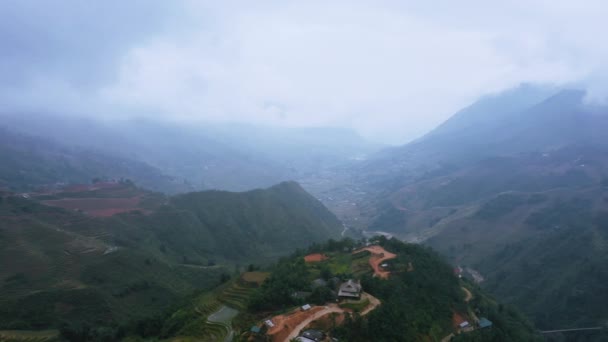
x=29 y=336
x=27 y=163
x=547 y=259
x=507 y=323
x=500 y=206
x=356 y=306
x=122 y=275
x=418 y=302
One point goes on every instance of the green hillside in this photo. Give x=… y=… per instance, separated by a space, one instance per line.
x=513 y=187
x=29 y=162
x=421 y=300
x=67 y=266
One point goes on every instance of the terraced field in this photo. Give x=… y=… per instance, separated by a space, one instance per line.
x=215 y=313
x=236 y=296
x=29 y=336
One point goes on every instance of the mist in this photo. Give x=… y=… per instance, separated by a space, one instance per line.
x=392 y=71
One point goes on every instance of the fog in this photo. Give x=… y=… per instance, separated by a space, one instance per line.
x=390 y=70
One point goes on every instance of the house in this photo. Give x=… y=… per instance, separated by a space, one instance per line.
x=484 y=322
x=464 y=324
x=255 y=329
x=306 y=307
x=269 y=323
x=350 y=289
x=304 y=339
x=313 y=335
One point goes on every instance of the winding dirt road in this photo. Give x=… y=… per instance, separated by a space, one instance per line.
x=468 y=293
x=332 y=308
x=379 y=255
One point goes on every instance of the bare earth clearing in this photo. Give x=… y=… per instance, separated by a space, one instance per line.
x=289 y=326
x=317 y=257
x=100 y=207
x=379 y=255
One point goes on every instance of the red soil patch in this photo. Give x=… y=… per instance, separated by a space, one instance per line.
x=379 y=255
x=315 y=257
x=284 y=324
x=101 y=207
x=457 y=319
x=326 y=323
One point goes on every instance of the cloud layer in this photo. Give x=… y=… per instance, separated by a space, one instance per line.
x=389 y=69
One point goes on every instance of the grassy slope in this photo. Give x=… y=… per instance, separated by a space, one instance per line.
x=417 y=301
x=531 y=223
x=542 y=252
x=57 y=267
x=29 y=162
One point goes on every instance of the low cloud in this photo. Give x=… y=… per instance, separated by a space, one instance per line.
x=391 y=70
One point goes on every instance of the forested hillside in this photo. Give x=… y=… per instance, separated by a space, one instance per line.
x=514 y=187
x=75 y=266
x=29 y=162
x=421 y=299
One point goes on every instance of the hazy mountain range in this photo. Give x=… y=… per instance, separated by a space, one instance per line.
x=514 y=186
x=199 y=156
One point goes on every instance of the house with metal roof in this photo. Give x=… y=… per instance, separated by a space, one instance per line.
x=350 y=289
x=314 y=335
x=484 y=322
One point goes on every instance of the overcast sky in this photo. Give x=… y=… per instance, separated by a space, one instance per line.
x=392 y=70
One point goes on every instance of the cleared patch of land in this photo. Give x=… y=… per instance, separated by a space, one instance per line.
x=289 y=326
x=99 y=207
x=255 y=277
x=378 y=256
x=316 y=257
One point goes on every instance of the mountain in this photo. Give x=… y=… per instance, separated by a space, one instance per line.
x=29 y=162
x=234 y=157
x=76 y=255
x=512 y=188
x=417 y=298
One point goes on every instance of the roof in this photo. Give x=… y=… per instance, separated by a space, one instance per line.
x=306 y=307
x=484 y=322
x=269 y=323
x=304 y=339
x=314 y=335
x=464 y=324
x=255 y=329
x=351 y=287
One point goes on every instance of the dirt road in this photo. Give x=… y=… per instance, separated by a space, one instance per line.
x=373 y=303
x=468 y=293
x=332 y=308
x=379 y=255
x=326 y=311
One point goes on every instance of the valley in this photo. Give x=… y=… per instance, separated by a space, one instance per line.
x=520 y=216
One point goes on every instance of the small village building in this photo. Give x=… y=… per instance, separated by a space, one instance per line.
x=306 y=307
x=464 y=324
x=255 y=329
x=269 y=323
x=484 y=322
x=350 y=289
x=303 y=339
x=313 y=335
